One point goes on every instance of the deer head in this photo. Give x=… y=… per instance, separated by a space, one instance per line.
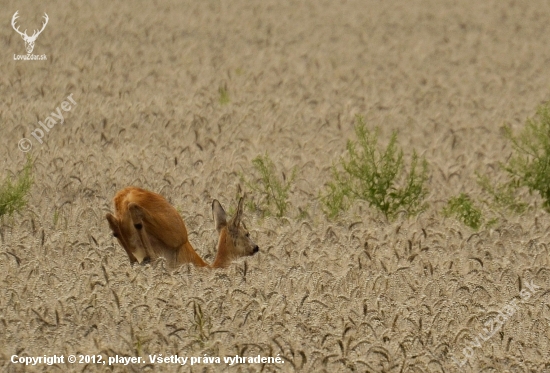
x=29 y=40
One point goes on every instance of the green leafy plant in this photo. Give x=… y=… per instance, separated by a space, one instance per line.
x=13 y=193
x=529 y=166
x=503 y=195
x=273 y=190
x=463 y=209
x=377 y=177
x=224 y=94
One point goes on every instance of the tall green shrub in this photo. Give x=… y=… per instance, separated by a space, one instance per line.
x=529 y=165
x=377 y=176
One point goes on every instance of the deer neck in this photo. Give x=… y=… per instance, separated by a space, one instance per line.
x=189 y=255
x=223 y=256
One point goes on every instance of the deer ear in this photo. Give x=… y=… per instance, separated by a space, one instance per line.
x=113 y=224
x=236 y=221
x=220 y=218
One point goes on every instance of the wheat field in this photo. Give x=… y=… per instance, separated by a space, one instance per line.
x=179 y=96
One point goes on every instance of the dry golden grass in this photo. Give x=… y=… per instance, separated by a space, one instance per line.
x=179 y=97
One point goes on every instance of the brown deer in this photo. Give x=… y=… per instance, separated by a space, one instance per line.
x=148 y=227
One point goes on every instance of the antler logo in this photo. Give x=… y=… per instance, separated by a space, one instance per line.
x=29 y=40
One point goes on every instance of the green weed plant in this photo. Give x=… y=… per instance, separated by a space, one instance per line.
x=377 y=176
x=13 y=192
x=272 y=189
x=463 y=209
x=224 y=95
x=529 y=165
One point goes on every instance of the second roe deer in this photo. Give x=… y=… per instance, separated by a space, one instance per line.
x=148 y=227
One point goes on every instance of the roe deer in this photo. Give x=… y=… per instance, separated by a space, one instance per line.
x=148 y=227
